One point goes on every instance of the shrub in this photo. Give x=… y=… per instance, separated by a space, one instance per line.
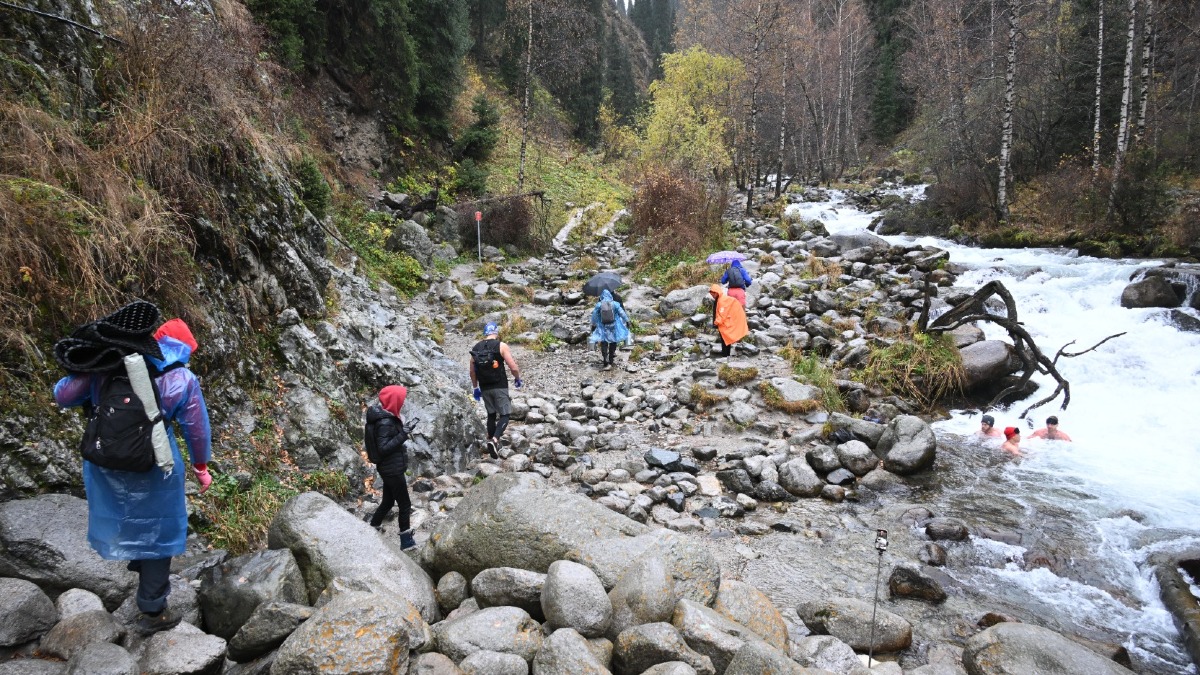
x=925 y=368
x=314 y=191
x=366 y=234
x=505 y=221
x=479 y=140
x=673 y=215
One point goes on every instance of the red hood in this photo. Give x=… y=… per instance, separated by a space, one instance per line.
x=179 y=330
x=392 y=398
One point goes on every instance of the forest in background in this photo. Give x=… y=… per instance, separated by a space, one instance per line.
x=1041 y=121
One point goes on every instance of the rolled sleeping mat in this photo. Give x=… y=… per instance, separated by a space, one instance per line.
x=139 y=379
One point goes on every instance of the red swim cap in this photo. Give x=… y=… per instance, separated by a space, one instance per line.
x=1009 y=432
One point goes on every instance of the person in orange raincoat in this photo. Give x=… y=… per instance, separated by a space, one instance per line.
x=728 y=317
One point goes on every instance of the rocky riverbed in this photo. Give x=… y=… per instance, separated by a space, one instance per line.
x=678 y=514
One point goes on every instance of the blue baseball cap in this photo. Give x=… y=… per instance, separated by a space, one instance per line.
x=491 y=329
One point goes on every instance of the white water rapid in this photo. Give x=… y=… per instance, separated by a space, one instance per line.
x=1130 y=481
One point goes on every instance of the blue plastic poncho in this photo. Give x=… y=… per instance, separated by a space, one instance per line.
x=736 y=265
x=143 y=516
x=617 y=331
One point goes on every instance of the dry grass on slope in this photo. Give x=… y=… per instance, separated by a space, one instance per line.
x=98 y=207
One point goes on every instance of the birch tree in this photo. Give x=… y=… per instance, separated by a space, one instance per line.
x=1147 y=68
x=1099 y=83
x=1126 y=100
x=1010 y=71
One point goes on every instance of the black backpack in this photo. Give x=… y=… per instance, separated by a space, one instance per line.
x=486 y=355
x=736 y=280
x=608 y=314
x=119 y=435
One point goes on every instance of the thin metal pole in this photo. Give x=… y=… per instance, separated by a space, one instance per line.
x=479 y=238
x=874 y=606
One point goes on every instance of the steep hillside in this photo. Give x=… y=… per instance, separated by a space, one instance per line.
x=170 y=161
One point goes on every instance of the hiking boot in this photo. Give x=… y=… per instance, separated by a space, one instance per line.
x=149 y=624
x=490 y=448
x=406 y=540
x=608 y=366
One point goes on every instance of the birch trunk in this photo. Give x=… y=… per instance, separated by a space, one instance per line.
x=1096 y=106
x=782 y=130
x=1147 y=32
x=1010 y=70
x=1126 y=100
x=525 y=103
x=839 y=143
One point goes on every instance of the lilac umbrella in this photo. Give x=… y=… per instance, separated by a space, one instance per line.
x=722 y=257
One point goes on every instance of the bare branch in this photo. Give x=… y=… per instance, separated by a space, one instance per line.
x=1033 y=360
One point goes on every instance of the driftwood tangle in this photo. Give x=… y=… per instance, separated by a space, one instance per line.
x=1032 y=359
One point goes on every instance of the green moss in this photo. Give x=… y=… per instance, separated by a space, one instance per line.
x=366 y=232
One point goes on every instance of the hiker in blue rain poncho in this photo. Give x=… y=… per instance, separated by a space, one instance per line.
x=610 y=327
x=142 y=516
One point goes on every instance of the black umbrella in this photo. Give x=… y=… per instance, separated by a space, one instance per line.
x=603 y=280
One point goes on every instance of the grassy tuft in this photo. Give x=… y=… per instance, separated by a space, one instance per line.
x=925 y=368
x=673 y=272
x=585 y=264
x=705 y=399
x=366 y=232
x=812 y=371
x=774 y=399
x=736 y=375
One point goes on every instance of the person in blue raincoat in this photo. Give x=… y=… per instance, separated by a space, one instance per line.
x=738 y=280
x=609 y=333
x=142 y=516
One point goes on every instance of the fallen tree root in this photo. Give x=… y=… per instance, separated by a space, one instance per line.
x=1033 y=360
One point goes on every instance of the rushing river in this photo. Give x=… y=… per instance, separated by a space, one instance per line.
x=1126 y=491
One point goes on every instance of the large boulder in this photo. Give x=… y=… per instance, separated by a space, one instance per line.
x=645 y=593
x=683 y=302
x=497 y=629
x=509 y=587
x=1019 y=648
x=867 y=432
x=746 y=605
x=98 y=658
x=849 y=620
x=566 y=652
x=185 y=650
x=759 y=658
x=826 y=652
x=710 y=633
x=71 y=635
x=986 y=361
x=639 y=648
x=1152 y=291
x=856 y=457
x=44 y=540
x=516 y=520
x=328 y=542
x=267 y=628
x=409 y=237
x=359 y=633
x=798 y=477
x=573 y=597
x=859 y=239
x=231 y=591
x=26 y=612
x=907 y=446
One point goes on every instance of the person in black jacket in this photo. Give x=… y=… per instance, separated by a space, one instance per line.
x=384 y=436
